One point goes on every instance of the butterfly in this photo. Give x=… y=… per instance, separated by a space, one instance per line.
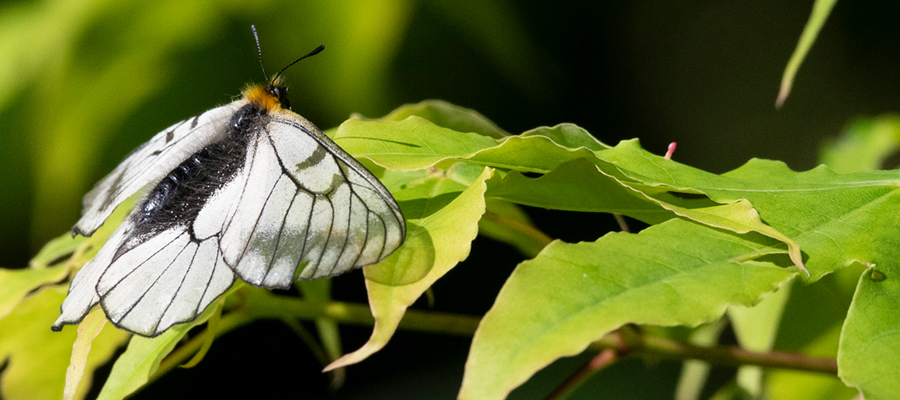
x=248 y=190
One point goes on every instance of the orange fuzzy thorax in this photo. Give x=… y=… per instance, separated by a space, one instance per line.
x=259 y=95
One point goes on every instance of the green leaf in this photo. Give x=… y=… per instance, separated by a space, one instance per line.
x=444 y=239
x=507 y=223
x=88 y=330
x=568 y=135
x=695 y=373
x=16 y=283
x=835 y=219
x=56 y=250
x=578 y=185
x=869 y=354
x=142 y=357
x=410 y=144
x=415 y=143
x=756 y=328
x=450 y=116
x=537 y=153
x=800 y=385
x=864 y=145
x=675 y=273
x=38 y=357
x=212 y=330
x=575 y=185
x=820 y=12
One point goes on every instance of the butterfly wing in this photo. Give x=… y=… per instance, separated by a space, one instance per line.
x=173 y=276
x=303 y=201
x=297 y=200
x=151 y=162
x=170 y=278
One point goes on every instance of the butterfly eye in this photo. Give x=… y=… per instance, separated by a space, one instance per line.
x=280 y=93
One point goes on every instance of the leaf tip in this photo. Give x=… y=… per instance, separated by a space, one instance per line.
x=782 y=96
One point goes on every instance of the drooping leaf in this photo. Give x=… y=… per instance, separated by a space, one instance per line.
x=88 y=330
x=435 y=243
x=675 y=273
x=820 y=12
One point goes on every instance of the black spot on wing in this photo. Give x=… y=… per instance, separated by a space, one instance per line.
x=195 y=120
x=314 y=159
x=112 y=191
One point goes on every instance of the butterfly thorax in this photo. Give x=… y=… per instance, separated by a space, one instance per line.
x=271 y=97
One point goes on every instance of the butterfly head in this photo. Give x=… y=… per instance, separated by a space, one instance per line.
x=273 y=96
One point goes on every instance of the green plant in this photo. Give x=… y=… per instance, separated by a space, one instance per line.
x=715 y=241
x=733 y=244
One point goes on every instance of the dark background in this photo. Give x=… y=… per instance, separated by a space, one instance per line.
x=84 y=87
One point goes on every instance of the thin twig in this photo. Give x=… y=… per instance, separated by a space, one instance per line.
x=657 y=347
x=600 y=361
x=623 y=226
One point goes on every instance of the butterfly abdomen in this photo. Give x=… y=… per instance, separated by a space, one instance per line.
x=179 y=196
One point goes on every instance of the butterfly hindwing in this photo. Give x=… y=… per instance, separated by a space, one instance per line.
x=168 y=279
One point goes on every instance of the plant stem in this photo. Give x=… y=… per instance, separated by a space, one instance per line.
x=599 y=362
x=260 y=304
x=623 y=225
x=732 y=356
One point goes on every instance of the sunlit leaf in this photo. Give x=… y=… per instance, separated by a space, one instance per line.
x=410 y=144
x=835 y=219
x=142 y=357
x=444 y=238
x=16 y=283
x=38 y=357
x=450 y=116
x=88 y=330
x=675 y=273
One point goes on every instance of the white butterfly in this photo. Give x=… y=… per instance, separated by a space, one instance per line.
x=249 y=189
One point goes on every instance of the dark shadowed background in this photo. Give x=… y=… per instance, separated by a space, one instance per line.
x=84 y=82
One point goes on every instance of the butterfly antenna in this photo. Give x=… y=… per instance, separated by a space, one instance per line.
x=259 y=49
x=312 y=53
